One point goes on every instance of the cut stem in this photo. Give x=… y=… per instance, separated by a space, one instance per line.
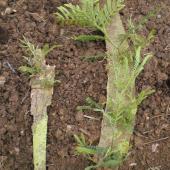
x=41 y=98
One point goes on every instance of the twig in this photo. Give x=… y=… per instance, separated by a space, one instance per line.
x=25 y=97
x=90 y=117
x=159 y=116
x=7 y=64
x=168 y=110
x=85 y=132
x=139 y=135
x=148 y=131
x=156 y=116
x=50 y=165
x=158 y=140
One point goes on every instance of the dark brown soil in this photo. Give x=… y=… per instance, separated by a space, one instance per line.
x=79 y=79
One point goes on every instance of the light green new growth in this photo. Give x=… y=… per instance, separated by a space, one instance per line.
x=126 y=66
x=35 y=56
x=110 y=157
x=89 y=13
x=86 y=38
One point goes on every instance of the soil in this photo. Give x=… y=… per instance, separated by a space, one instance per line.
x=79 y=80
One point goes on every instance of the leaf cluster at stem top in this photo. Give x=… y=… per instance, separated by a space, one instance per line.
x=89 y=13
x=35 y=57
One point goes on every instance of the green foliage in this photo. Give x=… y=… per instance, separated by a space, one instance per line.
x=137 y=39
x=29 y=70
x=48 y=83
x=35 y=58
x=90 y=104
x=110 y=158
x=89 y=13
x=126 y=69
x=80 y=140
x=84 y=148
x=47 y=49
x=124 y=113
x=45 y=83
x=139 y=25
x=87 y=38
x=127 y=65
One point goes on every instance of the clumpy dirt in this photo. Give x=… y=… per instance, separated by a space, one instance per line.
x=79 y=80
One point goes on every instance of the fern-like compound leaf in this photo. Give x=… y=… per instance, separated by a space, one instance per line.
x=89 y=13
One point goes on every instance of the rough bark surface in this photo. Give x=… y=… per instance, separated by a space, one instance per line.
x=40 y=99
x=114 y=31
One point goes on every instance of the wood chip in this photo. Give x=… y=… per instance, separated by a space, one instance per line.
x=2 y=80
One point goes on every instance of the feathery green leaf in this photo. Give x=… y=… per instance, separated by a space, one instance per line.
x=86 y=38
x=89 y=13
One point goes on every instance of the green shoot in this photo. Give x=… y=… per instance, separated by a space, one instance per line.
x=83 y=147
x=109 y=159
x=139 y=25
x=29 y=70
x=135 y=38
x=91 y=105
x=35 y=58
x=87 y=38
x=45 y=83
